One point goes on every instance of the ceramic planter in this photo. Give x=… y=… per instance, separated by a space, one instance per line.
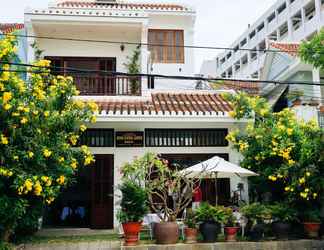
x=312 y=229
x=166 y=232
x=230 y=233
x=191 y=235
x=281 y=229
x=209 y=231
x=131 y=231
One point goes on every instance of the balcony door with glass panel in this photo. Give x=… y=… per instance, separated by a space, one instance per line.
x=89 y=80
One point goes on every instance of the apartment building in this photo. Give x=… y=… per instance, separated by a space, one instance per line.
x=285 y=21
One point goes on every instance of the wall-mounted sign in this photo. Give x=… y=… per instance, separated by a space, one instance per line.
x=130 y=139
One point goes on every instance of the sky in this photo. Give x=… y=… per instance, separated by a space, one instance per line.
x=218 y=22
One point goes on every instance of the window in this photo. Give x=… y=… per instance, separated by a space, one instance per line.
x=98 y=138
x=281 y=8
x=273 y=36
x=244 y=60
x=310 y=11
x=271 y=17
x=260 y=27
x=236 y=48
x=252 y=34
x=297 y=20
x=283 y=30
x=237 y=66
x=229 y=55
x=243 y=42
x=253 y=54
x=173 y=52
x=185 y=137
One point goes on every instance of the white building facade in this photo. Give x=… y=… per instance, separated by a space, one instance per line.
x=285 y=21
x=183 y=126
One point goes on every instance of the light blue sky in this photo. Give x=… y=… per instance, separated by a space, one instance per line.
x=219 y=22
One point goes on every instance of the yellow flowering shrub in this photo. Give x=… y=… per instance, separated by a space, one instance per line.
x=288 y=154
x=40 y=122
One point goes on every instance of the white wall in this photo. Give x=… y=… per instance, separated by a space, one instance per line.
x=123 y=155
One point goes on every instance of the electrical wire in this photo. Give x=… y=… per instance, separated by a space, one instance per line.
x=153 y=44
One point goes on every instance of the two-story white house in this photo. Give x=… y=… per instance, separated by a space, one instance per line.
x=165 y=116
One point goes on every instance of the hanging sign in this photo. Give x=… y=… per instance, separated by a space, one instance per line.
x=130 y=139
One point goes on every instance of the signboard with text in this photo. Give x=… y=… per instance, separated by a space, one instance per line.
x=130 y=139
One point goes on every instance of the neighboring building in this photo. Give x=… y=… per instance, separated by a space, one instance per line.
x=16 y=28
x=184 y=126
x=285 y=21
x=287 y=66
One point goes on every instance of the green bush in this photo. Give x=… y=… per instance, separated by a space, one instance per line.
x=283 y=212
x=256 y=212
x=209 y=213
x=133 y=203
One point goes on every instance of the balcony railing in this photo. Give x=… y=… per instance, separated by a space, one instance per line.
x=321 y=119
x=108 y=85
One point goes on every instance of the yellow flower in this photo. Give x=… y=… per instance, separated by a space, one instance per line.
x=61 y=180
x=5 y=172
x=93 y=106
x=272 y=178
x=28 y=185
x=23 y=120
x=35 y=112
x=6 y=97
x=61 y=159
x=289 y=131
x=79 y=104
x=46 y=113
x=88 y=160
x=74 y=164
x=49 y=200
x=303 y=195
x=306 y=190
x=302 y=180
x=16 y=157
x=93 y=119
x=7 y=106
x=232 y=114
x=314 y=195
x=38 y=188
x=83 y=127
x=47 y=153
x=44 y=178
x=308 y=174
x=287 y=189
x=74 y=139
x=30 y=154
x=4 y=139
x=291 y=162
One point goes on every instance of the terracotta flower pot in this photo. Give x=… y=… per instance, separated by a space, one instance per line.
x=191 y=234
x=166 y=232
x=230 y=233
x=312 y=229
x=131 y=231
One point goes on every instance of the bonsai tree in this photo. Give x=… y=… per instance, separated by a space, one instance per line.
x=161 y=184
x=40 y=125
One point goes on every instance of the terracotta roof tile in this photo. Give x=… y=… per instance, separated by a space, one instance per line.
x=289 y=48
x=122 y=5
x=6 y=28
x=252 y=88
x=169 y=103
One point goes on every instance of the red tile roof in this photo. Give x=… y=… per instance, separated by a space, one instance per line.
x=169 y=103
x=252 y=88
x=123 y=5
x=6 y=28
x=289 y=48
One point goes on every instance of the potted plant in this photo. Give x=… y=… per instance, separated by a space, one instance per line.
x=312 y=222
x=163 y=183
x=191 y=231
x=133 y=208
x=210 y=219
x=282 y=215
x=256 y=214
x=230 y=225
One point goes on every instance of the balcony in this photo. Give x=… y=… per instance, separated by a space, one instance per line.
x=94 y=85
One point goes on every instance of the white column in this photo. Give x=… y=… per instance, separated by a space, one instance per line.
x=30 y=41
x=318 y=11
x=316 y=89
x=144 y=54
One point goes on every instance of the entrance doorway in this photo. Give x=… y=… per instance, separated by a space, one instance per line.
x=89 y=201
x=207 y=185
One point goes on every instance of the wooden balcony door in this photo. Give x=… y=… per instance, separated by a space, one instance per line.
x=102 y=201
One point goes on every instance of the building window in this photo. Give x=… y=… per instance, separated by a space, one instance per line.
x=98 y=138
x=243 y=42
x=253 y=54
x=173 y=52
x=281 y=8
x=283 y=30
x=252 y=34
x=271 y=17
x=244 y=60
x=310 y=11
x=260 y=27
x=297 y=20
x=186 y=137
